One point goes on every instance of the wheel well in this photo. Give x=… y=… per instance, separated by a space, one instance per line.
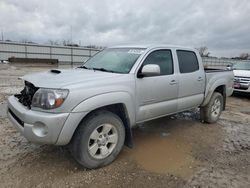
x=222 y=90
x=120 y=110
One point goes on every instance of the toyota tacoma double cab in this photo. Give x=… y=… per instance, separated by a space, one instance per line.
x=94 y=107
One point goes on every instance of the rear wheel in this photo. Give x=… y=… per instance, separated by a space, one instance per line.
x=212 y=111
x=98 y=140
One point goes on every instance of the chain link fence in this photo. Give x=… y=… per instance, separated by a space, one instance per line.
x=218 y=62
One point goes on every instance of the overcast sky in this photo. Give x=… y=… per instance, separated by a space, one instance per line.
x=221 y=25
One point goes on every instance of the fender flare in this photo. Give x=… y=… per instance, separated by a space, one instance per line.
x=210 y=90
x=91 y=104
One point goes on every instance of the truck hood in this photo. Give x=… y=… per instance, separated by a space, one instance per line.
x=63 y=78
x=242 y=73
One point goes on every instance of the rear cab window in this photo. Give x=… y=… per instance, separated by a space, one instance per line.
x=188 y=61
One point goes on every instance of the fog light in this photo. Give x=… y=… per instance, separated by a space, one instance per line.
x=40 y=129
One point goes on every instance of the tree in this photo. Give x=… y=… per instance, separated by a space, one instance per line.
x=66 y=42
x=24 y=41
x=244 y=56
x=203 y=51
x=52 y=42
x=27 y=41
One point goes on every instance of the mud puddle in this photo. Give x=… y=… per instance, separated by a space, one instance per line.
x=163 y=148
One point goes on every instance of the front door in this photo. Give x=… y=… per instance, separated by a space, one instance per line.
x=157 y=95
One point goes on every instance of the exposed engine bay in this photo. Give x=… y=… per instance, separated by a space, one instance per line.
x=26 y=95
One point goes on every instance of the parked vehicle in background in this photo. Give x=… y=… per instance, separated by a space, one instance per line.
x=93 y=107
x=242 y=77
x=3 y=61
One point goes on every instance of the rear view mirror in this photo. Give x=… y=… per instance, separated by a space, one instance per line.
x=150 y=70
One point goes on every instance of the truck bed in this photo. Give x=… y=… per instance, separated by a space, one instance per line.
x=214 y=74
x=210 y=70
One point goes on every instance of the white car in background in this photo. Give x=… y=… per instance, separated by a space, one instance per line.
x=242 y=77
x=4 y=62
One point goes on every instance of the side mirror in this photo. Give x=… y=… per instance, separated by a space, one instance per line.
x=150 y=70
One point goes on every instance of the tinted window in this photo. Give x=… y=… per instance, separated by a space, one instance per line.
x=163 y=58
x=187 y=61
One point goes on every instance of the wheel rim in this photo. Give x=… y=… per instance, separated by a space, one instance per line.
x=102 y=141
x=216 y=108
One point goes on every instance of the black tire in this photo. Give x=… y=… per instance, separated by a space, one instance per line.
x=207 y=111
x=80 y=142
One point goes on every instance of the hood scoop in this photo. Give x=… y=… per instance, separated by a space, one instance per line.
x=55 y=71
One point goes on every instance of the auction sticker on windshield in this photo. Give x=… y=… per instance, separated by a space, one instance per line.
x=135 y=51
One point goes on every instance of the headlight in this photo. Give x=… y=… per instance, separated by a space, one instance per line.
x=49 y=98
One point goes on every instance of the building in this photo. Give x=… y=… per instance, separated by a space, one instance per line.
x=22 y=52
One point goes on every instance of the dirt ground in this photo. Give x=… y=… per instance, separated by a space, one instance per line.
x=176 y=151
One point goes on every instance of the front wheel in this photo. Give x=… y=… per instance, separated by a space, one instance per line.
x=212 y=111
x=98 y=140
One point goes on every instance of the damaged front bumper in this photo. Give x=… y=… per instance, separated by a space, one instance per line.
x=37 y=127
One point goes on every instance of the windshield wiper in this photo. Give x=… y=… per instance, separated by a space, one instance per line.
x=102 y=69
x=91 y=68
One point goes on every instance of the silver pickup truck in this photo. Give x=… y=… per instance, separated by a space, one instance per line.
x=92 y=108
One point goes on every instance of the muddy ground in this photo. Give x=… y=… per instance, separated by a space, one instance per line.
x=176 y=151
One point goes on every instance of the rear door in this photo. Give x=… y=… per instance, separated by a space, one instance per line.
x=191 y=80
x=157 y=95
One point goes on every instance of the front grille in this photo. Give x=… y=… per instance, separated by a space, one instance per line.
x=16 y=118
x=26 y=95
x=242 y=79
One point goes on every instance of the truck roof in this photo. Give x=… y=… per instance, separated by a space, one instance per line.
x=151 y=46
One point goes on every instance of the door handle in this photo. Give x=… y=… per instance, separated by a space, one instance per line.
x=173 y=82
x=199 y=79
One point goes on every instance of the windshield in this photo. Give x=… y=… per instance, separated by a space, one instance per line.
x=242 y=66
x=118 y=60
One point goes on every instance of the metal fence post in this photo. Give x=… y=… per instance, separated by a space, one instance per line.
x=71 y=56
x=25 y=47
x=50 y=52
